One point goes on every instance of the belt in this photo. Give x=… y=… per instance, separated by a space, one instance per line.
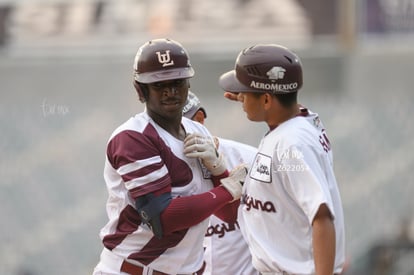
x=132 y=269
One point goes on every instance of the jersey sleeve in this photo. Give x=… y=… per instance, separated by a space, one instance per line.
x=137 y=160
x=184 y=212
x=306 y=182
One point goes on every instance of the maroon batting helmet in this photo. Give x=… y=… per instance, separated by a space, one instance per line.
x=264 y=68
x=160 y=60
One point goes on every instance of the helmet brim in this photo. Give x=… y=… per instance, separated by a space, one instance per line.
x=170 y=74
x=229 y=83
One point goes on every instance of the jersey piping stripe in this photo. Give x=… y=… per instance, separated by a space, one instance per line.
x=156 y=247
x=125 y=169
x=128 y=222
x=143 y=180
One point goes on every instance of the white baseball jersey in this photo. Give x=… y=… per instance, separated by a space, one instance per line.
x=226 y=250
x=142 y=158
x=291 y=176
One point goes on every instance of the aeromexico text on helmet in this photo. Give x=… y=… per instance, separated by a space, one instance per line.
x=275 y=73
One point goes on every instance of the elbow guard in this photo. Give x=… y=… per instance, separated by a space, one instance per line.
x=150 y=207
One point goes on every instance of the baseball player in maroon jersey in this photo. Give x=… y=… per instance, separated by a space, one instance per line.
x=226 y=252
x=163 y=175
x=291 y=213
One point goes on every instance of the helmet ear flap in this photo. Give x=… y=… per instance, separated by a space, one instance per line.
x=142 y=91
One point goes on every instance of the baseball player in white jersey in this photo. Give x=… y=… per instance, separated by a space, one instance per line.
x=163 y=178
x=290 y=214
x=226 y=252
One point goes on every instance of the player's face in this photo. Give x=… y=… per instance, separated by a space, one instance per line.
x=253 y=105
x=167 y=98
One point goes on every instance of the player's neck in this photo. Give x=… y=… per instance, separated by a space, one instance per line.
x=281 y=115
x=171 y=125
x=175 y=129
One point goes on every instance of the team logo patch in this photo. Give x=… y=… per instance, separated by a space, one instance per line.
x=165 y=58
x=261 y=169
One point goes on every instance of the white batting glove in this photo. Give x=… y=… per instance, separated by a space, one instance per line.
x=198 y=146
x=234 y=182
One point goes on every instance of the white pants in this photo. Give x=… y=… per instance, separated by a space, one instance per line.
x=110 y=264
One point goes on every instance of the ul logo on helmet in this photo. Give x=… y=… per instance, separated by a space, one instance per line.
x=165 y=58
x=276 y=73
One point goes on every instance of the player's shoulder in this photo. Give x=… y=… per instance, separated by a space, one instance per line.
x=136 y=123
x=229 y=143
x=236 y=152
x=295 y=132
x=314 y=119
x=310 y=122
x=192 y=126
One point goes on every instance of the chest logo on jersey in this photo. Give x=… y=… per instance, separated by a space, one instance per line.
x=221 y=229
x=250 y=202
x=261 y=168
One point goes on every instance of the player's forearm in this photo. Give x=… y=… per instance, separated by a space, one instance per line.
x=323 y=245
x=184 y=212
x=233 y=183
x=228 y=213
x=216 y=179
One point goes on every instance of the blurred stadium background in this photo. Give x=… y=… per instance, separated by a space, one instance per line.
x=65 y=78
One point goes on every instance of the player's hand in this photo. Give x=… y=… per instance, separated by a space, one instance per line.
x=198 y=146
x=231 y=96
x=234 y=182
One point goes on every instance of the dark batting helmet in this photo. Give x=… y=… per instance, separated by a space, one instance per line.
x=160 y=60
x=264 y=68
x=192 y=105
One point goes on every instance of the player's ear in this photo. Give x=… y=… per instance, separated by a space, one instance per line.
x=267 y=100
